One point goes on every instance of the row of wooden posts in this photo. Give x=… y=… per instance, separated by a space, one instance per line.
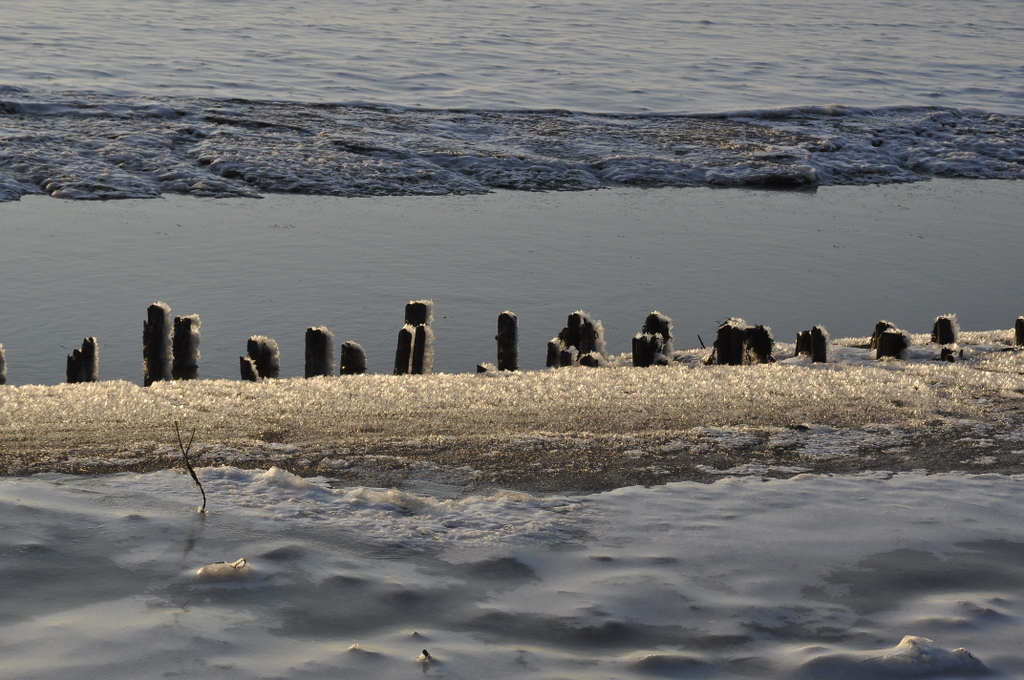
x=170 y=349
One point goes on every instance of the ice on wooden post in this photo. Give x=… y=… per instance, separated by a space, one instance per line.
x=3 y=366
x=319 y=351
x=946 y=330
x=581 y=337
x=508 y=341
x=157 y=351
x=185 y=364
x=353 y=359
x=1018 y=334
x=262 y=358
x=84 y=364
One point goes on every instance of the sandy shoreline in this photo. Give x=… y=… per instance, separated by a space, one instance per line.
x=562 y=430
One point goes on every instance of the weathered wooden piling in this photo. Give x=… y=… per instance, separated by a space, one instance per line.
x=247 y=365
x=737 y=343
x=1018 y=332
x=653 y=344
x=264 y=355
x=84 y=363
x=946 y=330
x=157 y=351
x=508 y=341
x=581 y=336
x=659 y=324
x=185 y=343
x=803 y=343
x=880 y=327
x=891 y=343
x=645 y=348
x=3 y=366
x=403 y=353
x=319 y=351
x=819 y=345
x=415 y=352
x=353 y=359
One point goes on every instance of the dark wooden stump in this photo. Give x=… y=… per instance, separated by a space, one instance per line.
x=819 y=345
x=759 y=345
x=803 y=343
x=945 y=331
x=319 y=352
x=156 y=344
x=403 y=354
x=508 y=341
x=3 y=366
x=643 y=350
x=247 y=365
x=591 y=360
x=554 y=358
x=265 y=354
x=84 y=364
x=948 y=354
x=569 y=356
x=891 y=343
x=422 y=351
x=880 y=327
x=186 y=348
x=1018 y=331
x=419 y=312
x=353 y=359
x=660 y=325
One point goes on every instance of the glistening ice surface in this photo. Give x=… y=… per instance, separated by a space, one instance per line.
x=870 y=576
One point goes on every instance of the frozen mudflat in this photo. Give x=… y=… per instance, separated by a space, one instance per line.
x=571 y=429
x=872 y=575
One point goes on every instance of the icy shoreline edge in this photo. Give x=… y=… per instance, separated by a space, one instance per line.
x=567 y=430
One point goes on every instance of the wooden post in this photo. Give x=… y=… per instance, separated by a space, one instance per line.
x=353 y=359
x=1018 y=334
x=265 y=355
x=880 y=327
x=803 y=343
x=422 y=351
x=738 y=343
x=554 y=359
x=186 y=348
x=156 y=344
x=891 y=343
x=84 y=364
x=3 y=366
x=415 y=352
x=319 y=351
x=247 y=366
x=643 y=350
x=508 y=341
x=819 y=345
x=403 y=355
x=658 y=324
x=946 y=331
x=582 y=335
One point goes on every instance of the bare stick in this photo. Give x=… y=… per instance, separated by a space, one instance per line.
x=184 y=454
